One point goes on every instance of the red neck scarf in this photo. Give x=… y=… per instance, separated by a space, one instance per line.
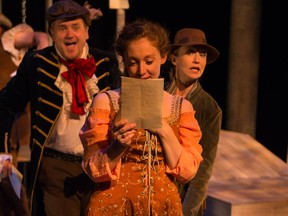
x=75 y=76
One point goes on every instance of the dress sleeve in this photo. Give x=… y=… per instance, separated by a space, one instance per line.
x=190 y=159
x=95 y=140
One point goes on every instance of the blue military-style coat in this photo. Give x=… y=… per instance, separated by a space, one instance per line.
x=34 y=83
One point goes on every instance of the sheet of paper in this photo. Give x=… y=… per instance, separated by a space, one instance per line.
x=141 y=101
x=16 y=180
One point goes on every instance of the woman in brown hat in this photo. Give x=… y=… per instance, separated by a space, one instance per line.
x=190 y=55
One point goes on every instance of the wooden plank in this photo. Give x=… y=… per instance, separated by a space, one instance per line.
x=261 y=209
x=247 y=179
x=250 y=191
x=240 y=156
x=217 y=207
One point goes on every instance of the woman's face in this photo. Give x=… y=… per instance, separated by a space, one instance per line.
x=190 y=63
x=143 y=59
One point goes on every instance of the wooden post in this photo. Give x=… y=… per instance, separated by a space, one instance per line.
x=120 y=6
x=48 y=3
x=243 y=66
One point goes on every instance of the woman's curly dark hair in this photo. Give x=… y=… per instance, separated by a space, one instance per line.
x=142 y=28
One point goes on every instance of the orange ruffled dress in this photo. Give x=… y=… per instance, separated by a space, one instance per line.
x=141 y=183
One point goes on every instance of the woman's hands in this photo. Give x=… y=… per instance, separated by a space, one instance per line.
x=124 y=131
x=165 y=129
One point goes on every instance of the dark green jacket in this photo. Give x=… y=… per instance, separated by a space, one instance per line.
x=209 y=117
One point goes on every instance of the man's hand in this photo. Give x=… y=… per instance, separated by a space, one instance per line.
x=5 y=165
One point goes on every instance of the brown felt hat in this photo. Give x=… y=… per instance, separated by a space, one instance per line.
x=194 y=37
x=67 y=10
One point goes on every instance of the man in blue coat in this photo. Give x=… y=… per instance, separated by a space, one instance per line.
x=59 y=82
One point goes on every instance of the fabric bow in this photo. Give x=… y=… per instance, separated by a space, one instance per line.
x=75 y=76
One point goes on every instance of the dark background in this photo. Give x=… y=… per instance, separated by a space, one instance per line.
x=213 y=17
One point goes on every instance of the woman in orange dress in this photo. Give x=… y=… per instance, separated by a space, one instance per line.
x=135 y=169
